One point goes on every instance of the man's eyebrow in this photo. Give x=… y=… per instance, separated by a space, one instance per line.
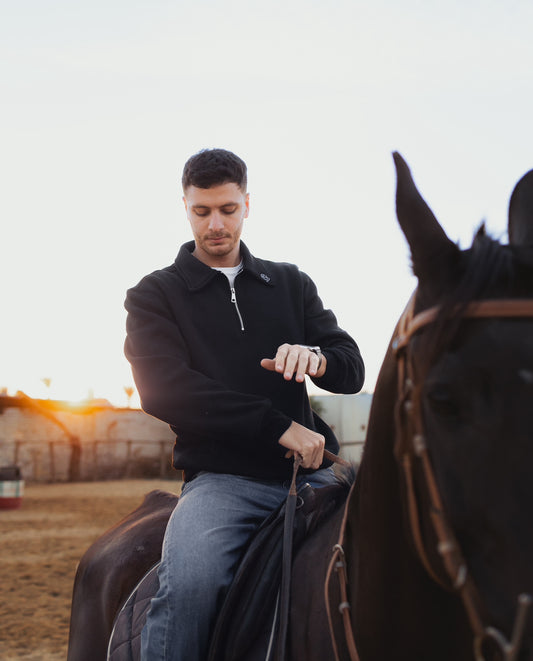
x=205 y=206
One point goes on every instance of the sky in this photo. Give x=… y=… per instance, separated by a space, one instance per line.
x=104 y=101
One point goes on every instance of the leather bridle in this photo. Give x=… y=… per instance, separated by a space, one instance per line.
x=411 y=450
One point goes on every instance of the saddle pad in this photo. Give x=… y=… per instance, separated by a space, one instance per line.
x=244 y=625
x=125 y=641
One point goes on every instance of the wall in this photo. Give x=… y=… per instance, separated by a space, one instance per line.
x=86 y=445
x=348 y=416
x=51 y=442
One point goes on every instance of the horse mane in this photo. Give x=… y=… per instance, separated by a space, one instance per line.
x=345 y=475
x=328 y=499
x=490 y=269
x=487 y=270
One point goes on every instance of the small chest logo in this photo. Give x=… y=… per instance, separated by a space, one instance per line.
x=265 y=277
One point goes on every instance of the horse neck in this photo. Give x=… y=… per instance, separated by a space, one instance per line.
x=375 y=513
x=393 y=596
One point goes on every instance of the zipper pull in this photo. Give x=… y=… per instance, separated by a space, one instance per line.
x=234 y=301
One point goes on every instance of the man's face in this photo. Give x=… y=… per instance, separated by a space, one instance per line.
x=216 y=216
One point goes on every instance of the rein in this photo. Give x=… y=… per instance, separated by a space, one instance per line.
x=411 y=448
x=285 y=589
x=286 y=567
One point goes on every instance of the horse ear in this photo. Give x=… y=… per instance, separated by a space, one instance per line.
x=431 y=249
x=520 y=225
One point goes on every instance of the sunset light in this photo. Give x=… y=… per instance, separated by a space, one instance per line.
x=103 y=104
x=98 y=123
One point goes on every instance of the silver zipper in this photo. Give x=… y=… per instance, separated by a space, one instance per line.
x=234 y=301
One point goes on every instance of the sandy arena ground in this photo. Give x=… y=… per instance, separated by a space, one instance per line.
x=40 y=546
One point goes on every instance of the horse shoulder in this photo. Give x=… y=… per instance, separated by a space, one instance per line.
x=112 y=566
x=136 y=538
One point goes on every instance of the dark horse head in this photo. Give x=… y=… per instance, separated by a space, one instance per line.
x=443 y=531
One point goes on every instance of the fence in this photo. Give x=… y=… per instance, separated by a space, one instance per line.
x=352 y=450
x=63 y=460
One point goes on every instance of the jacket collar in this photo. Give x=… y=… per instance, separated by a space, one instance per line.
x=197 y=274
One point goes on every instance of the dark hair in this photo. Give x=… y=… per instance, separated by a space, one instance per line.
x=213 y=167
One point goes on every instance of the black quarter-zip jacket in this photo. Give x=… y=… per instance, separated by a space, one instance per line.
x=195 y=346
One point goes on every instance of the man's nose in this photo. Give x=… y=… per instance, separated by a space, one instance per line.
x=216 y=222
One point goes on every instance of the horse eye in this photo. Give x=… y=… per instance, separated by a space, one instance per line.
x=442 y=402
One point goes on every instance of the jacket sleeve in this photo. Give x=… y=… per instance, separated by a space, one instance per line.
x=345 y=371
x=170 y=390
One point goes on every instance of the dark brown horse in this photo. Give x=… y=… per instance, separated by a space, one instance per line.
x=110 y=569
x=432 y=557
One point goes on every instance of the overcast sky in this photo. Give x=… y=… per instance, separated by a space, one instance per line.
x=103 y=101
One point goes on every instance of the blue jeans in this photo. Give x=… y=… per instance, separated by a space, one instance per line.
x=215 y=517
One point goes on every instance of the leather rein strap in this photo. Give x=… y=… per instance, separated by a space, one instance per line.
x=337 y=563
x=411 y=449
x=286 y=567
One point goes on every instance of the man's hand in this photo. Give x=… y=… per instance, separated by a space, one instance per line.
x=308 y=444
x=295 y=360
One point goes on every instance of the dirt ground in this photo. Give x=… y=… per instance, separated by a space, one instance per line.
x=40 y=546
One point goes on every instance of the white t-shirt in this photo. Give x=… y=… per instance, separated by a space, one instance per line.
x=230 y=272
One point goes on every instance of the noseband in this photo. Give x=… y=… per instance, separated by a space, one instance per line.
x=410 y=450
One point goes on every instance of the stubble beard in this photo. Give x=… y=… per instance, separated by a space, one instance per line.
x=219 y=250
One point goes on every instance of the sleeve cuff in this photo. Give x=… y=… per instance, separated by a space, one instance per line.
x=274 y=425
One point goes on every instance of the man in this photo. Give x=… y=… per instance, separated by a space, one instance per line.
x=220 y=343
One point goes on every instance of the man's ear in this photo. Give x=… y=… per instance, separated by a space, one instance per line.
x=185 y=203
x=247 y=203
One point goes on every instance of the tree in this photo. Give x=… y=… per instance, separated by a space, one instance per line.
x=129 y=390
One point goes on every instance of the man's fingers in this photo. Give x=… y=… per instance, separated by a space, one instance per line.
x=314 y=362
x=269 y=364
x=292 y=360
x=285 y=361
x=302 y=365
x=318 y=456
x=305 y=442
x=312 y=460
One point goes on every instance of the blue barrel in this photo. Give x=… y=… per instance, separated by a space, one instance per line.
x=11 y=487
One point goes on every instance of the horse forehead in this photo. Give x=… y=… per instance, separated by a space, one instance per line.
x=506 y=343
x=514 y=333
x=488 y=366
x=503 y=339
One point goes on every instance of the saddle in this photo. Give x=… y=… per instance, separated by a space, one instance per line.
x=247 y=625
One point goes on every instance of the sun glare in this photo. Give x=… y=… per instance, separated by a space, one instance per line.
x=75 y=394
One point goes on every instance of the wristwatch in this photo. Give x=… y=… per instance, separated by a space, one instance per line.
x=316 y=350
